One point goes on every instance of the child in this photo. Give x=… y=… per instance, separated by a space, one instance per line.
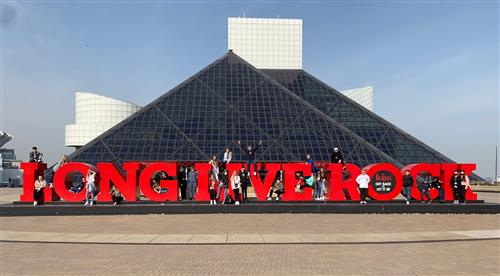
x=212 y=190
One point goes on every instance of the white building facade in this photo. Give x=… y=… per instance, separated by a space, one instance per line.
x=94 y=114
x=267 y=43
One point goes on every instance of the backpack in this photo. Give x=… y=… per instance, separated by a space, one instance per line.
x=229 y=200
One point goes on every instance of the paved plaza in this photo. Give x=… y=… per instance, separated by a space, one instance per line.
x=251 y=244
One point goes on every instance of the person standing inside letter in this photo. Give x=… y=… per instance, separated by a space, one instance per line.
x=90 y=187
x=407 y=186
x=363 y=179
x=464 y=185
x=192 y=184
x=250 y=155
x=235 y=185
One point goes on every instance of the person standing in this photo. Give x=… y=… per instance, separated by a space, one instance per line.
x=212 y=191
x=35 y=155
x=182 y=181
x=192 y=183
x=337 y=157
x=223 y=184
x=215 y=167
x=436 y=184
x=245 y=182
x=90 y=187
x=38 y=192
x=235 y=185
x=424 y=188
x=310 y=160
x=407 y=186
x=465 y=184
x=363 y=179
x=455 y=183
x=250 y=155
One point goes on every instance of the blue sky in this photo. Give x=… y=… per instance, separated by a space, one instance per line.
x=434 y=65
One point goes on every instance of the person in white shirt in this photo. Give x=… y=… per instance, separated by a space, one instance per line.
x=235 y=185
x=228 y=156
x=363 y=179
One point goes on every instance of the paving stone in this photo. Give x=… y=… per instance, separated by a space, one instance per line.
x=172 y=239
x=202 y=238
x=245 y=238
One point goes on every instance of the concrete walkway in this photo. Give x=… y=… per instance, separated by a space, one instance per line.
x=115 y=238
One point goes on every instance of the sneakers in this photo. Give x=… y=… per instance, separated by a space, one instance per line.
x=362 y=202
x=269 y=198
x=237 y=203
x=407 y=202
x=91 y=203
x=86 y=203
x=115 y=203
x=35 y=203
x=254 y=173
x=277 y=199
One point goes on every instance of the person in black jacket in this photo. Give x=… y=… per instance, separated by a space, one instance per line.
x=424 y=188
x=455 y=183
x=337 y=157
x=182 y=181
x=250 y=155
x=436 y=184
x=245 y=182
x=407 y=186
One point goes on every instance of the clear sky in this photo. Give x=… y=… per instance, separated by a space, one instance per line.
x=434 y=65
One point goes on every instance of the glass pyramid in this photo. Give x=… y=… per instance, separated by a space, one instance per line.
x=291 y=111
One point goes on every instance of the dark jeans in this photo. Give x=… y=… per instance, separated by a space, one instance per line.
x=244 y=193
x=424 y=193
x=117 y=199
x=456 y=194
x=363 y=192
x=407 y=192
x=462 y=194
x=38 y=196
x=236 y=194
x=254 y=165
x=277 y=192
x=441 y=194
x=183 y=187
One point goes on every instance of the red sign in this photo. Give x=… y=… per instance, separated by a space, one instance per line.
x=386 y=180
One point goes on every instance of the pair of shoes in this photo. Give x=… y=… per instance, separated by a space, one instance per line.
x=237 y=203
x=269 y=198
x=35 y=203
x=115 y=203
x=277 y=199
x=91 y=203
x=86 y=203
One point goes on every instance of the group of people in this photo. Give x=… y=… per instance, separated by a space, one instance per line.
x=220 y=182
x=459 y=183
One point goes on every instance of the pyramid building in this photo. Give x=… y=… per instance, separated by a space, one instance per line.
x=291 y=111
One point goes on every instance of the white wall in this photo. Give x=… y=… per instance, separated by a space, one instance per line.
x=267 y=43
